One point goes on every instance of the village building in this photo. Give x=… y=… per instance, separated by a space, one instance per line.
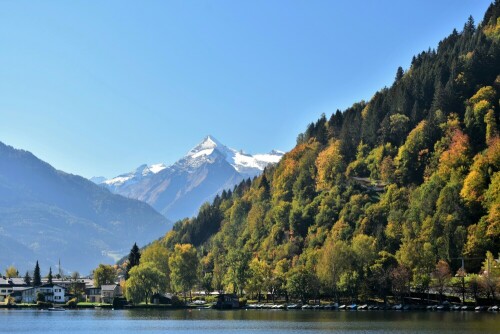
x=53 y=294
x=93 y=294
x=108 y=292
x=10 y=285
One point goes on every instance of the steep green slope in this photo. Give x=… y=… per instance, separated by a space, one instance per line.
x=379 y=192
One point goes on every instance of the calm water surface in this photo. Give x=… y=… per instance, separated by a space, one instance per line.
x=242 y=321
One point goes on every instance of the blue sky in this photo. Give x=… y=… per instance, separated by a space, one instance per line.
x=100 y=87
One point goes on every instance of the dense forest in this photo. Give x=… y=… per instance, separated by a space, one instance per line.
x=389 y=195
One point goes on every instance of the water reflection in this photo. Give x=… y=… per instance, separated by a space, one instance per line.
x=243 y=321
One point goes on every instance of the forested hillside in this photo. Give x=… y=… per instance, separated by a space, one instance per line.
x=388 y=192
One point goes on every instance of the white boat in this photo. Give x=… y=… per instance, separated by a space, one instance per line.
x=57 y=309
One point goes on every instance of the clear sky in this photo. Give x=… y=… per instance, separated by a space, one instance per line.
x=100 y=87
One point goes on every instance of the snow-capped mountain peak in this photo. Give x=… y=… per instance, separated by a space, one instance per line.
x=178 y=190
x=246 y=164
x=206 y=147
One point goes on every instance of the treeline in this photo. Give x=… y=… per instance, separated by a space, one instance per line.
x=374 y=199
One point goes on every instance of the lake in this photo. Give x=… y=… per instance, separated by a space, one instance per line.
x=246 y=321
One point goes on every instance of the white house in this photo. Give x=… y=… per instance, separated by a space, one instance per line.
x=53 y=293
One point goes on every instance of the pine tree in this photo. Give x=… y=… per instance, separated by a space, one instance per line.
x=27 y=278
x=399 y=74
x=37 y=279
x=134 y=258
x=49 y=277
x=264 y=183
x=321 y=131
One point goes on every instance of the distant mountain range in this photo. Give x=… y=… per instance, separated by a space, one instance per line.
x=47 y=215
x=178 y=191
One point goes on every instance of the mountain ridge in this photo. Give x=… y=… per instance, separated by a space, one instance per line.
x=53 y=215
x=205 y=171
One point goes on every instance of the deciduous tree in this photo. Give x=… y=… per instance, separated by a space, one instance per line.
x=11 y=271
x=441 y=277
x=103 y=275
x=144 y=281
x=183 y=264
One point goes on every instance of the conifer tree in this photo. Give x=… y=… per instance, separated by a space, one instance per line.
x=399 y=73
x=134 y=258
x=37 y=279
x=264 y=183
x=49 y=276
x=27 y=278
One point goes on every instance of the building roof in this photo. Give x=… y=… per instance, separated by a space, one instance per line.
x=109 y=287
x=15 y=281
x=51 y=286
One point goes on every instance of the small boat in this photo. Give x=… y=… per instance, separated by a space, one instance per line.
x=342 y=307
x=352 y=307
x=397 y=307
x=331 y=306
x=442 y=307
x=56 y=309
x=464 y=308
x=293 y=306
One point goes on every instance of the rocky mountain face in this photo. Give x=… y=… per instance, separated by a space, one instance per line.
x=178 y=191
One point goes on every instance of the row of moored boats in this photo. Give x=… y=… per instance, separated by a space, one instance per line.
x=352 y=307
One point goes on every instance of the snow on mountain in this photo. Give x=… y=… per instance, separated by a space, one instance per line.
x=135 y=175
x=157 y=168
x=178 y=190
x=246 y=164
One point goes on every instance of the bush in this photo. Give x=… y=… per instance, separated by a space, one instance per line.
x=176 y=301
x=40 y=297
x=243 y=301
x=72 y=303
x=119 y=303
x=211 y=299
x=10 y=301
